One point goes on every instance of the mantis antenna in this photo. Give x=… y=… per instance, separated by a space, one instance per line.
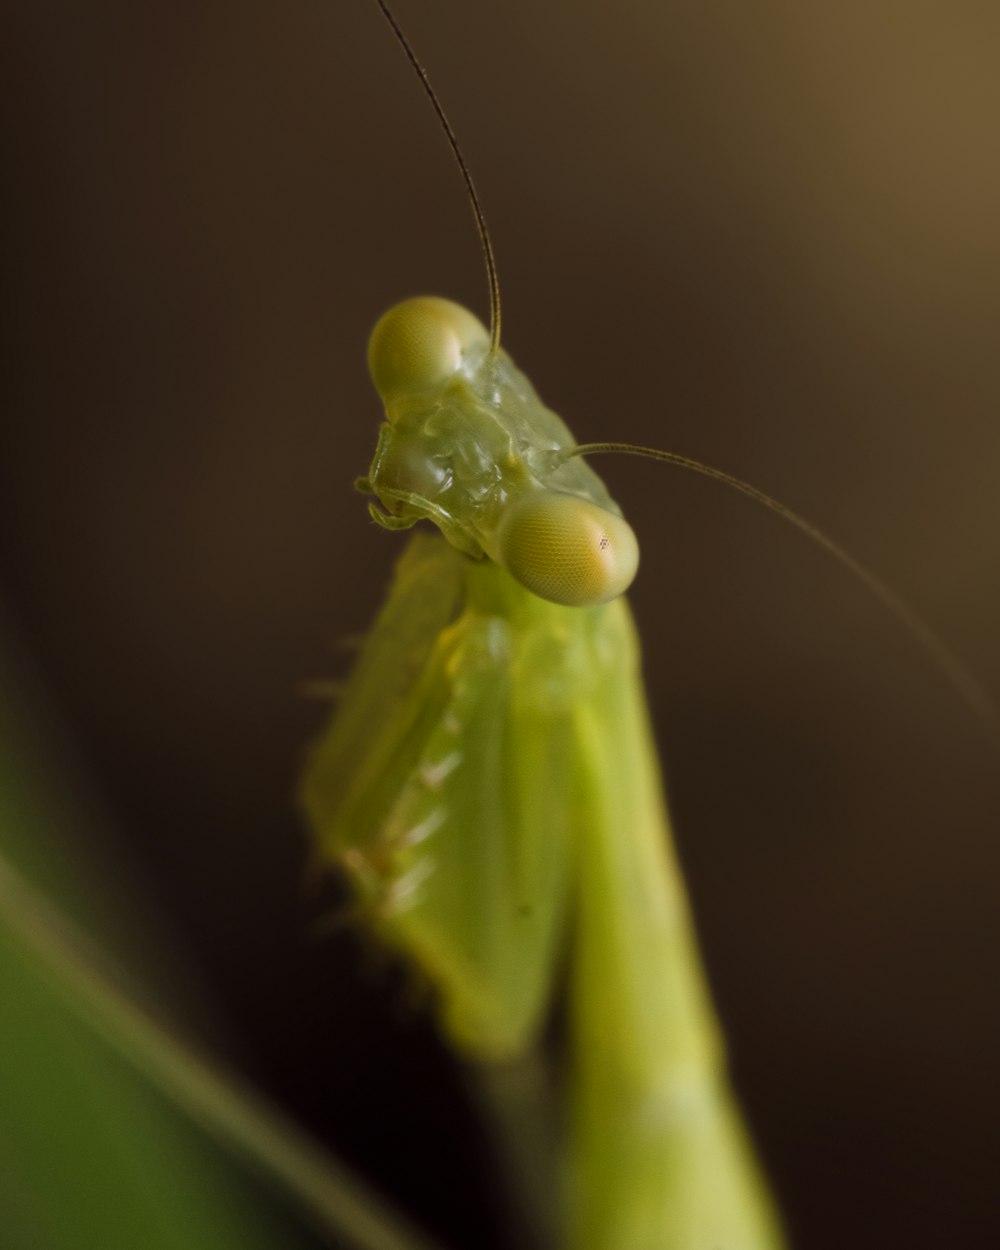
x=470 y=187
x=971 y=691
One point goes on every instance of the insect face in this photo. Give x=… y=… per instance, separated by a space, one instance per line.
x=468 y=444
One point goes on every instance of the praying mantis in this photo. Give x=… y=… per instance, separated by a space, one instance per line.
x=489 y=784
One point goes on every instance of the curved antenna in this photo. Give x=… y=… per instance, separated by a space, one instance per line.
x=972 y=692
x=470 y=187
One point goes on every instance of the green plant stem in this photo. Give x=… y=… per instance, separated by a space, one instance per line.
x=224 y=1106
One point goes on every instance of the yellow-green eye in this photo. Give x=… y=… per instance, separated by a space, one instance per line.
x=420 y=343
x=566 y=549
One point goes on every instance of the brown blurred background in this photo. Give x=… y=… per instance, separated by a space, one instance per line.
x=767 y=236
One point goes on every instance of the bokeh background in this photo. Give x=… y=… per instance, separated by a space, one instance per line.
x=767 y=236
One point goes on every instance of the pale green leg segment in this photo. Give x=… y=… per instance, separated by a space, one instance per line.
x=659 y=1157
x=434 y=788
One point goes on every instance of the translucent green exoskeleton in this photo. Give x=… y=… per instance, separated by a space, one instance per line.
x=489 y=784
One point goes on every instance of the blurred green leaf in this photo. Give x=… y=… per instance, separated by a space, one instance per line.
x=111 y=1125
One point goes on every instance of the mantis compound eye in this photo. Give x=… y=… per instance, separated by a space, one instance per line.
x=420 y=343
x=567 y=550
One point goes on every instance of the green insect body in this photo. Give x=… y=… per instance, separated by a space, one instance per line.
x=490 y=787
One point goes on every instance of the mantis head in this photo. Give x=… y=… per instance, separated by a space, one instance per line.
x=468 y=444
